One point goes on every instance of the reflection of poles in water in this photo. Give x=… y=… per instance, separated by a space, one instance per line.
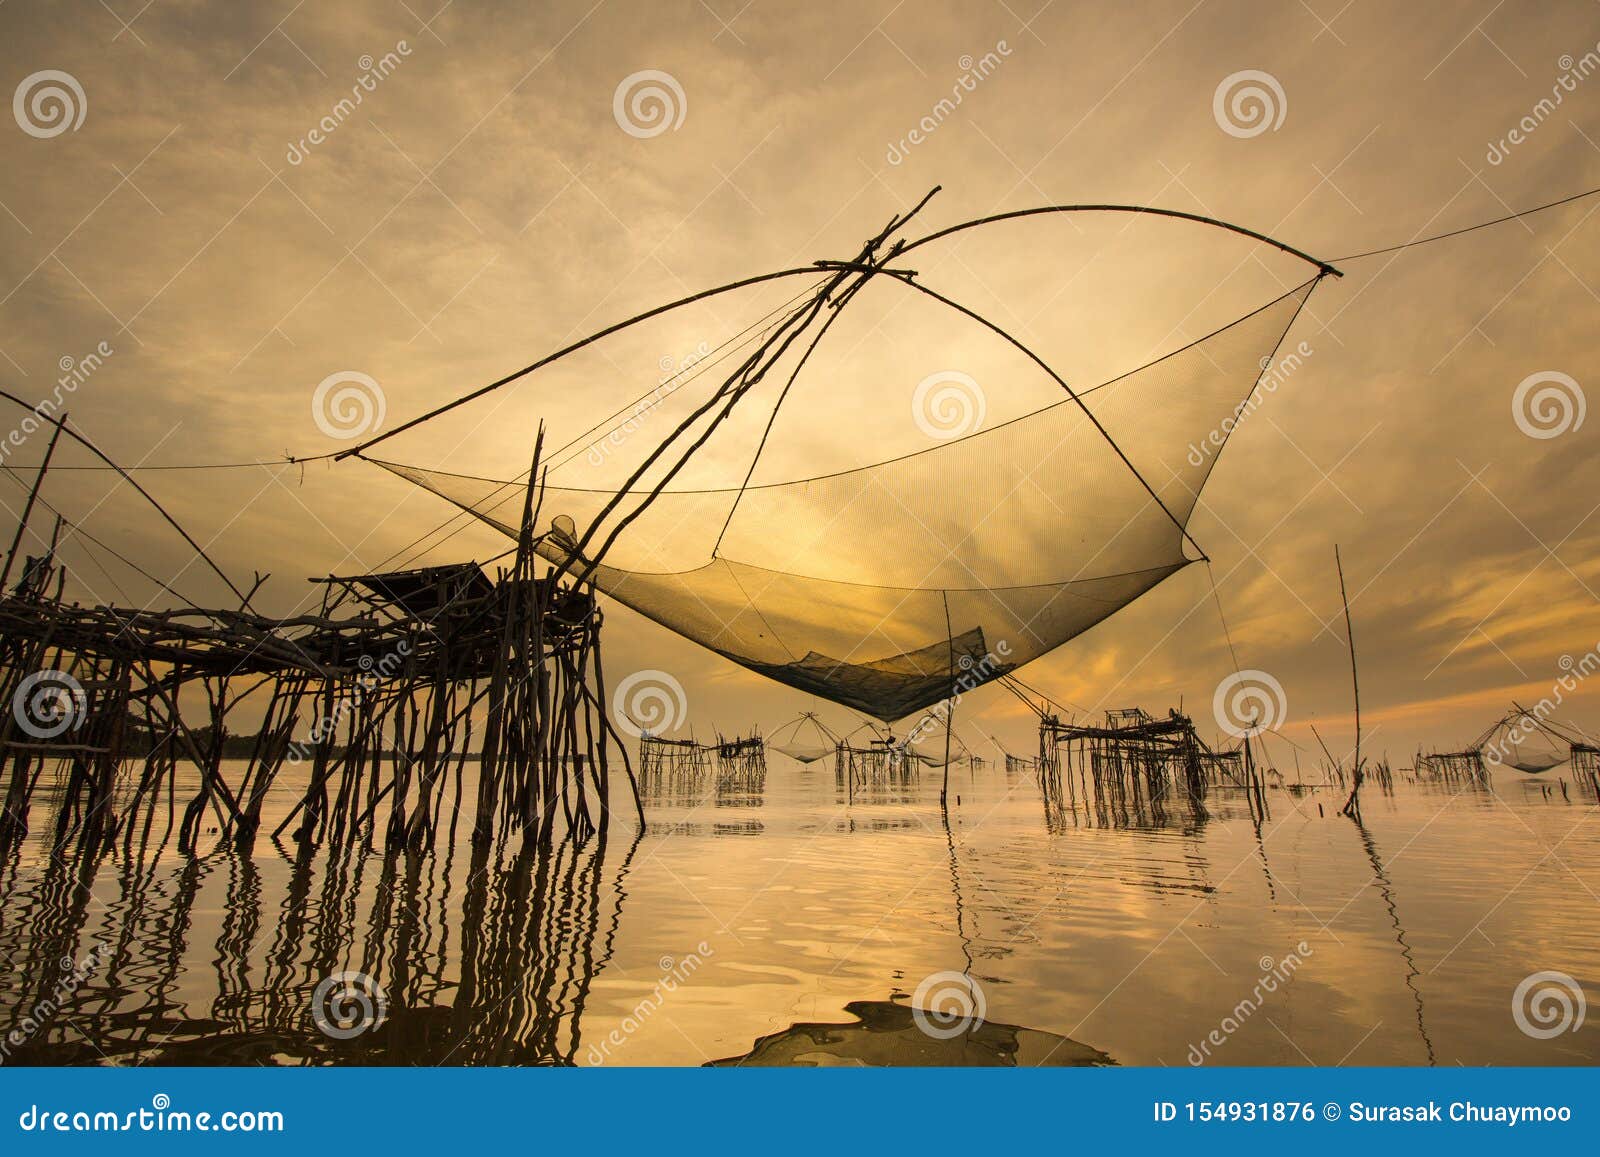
x=1386 y=890
x=955 y=889
x=535 y=927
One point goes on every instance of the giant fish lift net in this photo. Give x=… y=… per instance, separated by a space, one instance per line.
x=891 y=586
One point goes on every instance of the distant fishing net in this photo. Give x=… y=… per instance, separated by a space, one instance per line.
x=886 y=587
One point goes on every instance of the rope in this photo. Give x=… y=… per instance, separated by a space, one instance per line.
x=1472 y=228
x=1223 y=619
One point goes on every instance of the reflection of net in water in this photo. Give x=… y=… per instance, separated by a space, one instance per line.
x=882 y=586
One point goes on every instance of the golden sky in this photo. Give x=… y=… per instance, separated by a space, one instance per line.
x=485 y=202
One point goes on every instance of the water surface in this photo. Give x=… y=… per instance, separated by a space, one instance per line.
x=787 y=923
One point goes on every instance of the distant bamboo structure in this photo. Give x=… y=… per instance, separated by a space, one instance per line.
x=673 y=770
x=741 y=768
x=883 y=767
x=1127 y=771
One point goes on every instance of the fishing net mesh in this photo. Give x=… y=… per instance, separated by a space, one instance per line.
x=887 y=587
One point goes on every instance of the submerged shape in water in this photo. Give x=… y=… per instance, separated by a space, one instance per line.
x=886 y=1032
